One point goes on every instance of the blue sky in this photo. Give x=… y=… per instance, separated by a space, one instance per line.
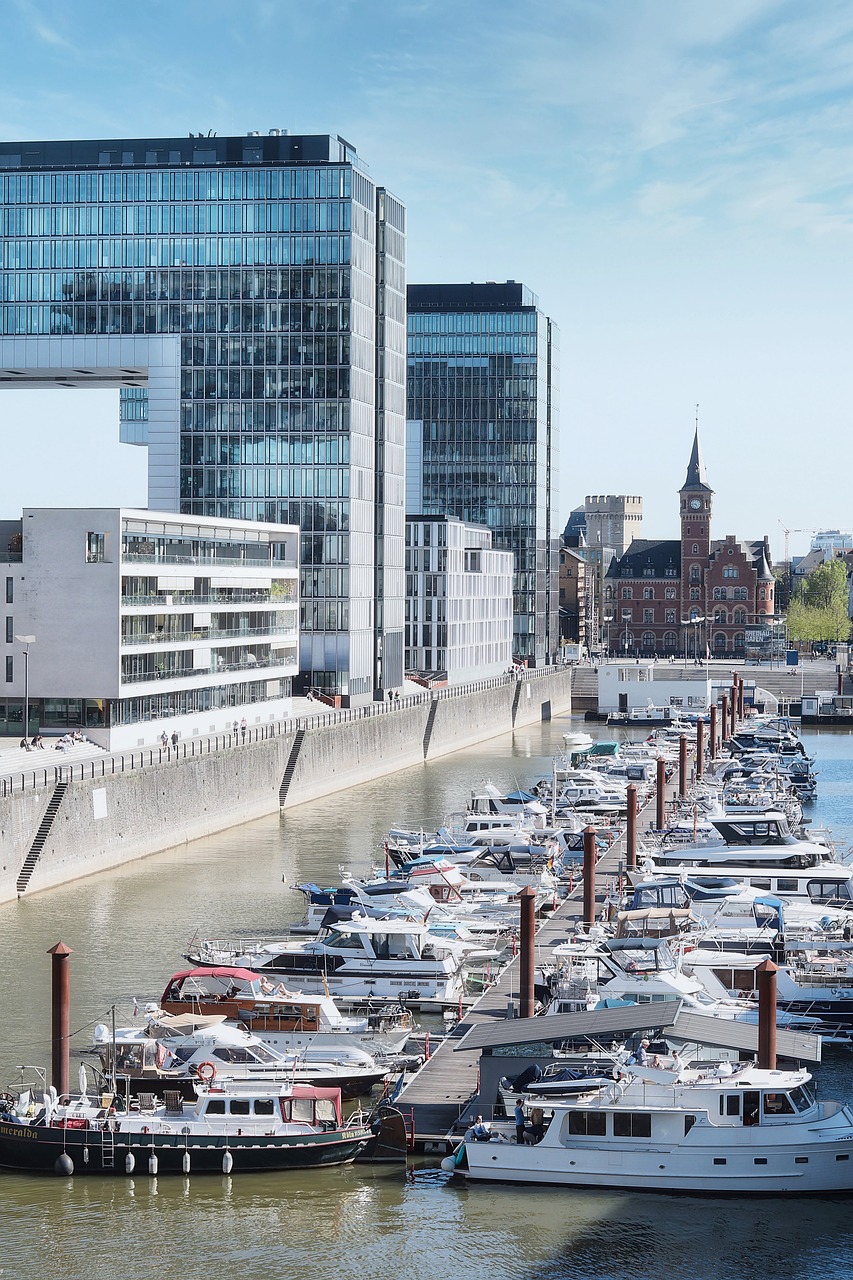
x=674 y=179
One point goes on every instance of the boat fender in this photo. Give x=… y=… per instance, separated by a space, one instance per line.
x=185 y=1163
x=153 y=1166
x=227 y=1162
x=85 y=1155
x=129 y=1162
x=206 y=1071
x=448 y=1164
x=64 y=1165
x=145 y=1128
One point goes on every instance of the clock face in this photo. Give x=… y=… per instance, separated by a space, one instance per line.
x=695 y=504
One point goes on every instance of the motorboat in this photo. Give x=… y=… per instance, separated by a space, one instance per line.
x=177 y=1050
x=242 y=1127
x=384 y=960
x=747 y=1131
x=288 y=1021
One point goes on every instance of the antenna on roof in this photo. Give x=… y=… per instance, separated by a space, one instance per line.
x=697 y=417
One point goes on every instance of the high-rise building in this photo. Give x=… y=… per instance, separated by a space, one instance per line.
x=248 y=296
x=483 y=410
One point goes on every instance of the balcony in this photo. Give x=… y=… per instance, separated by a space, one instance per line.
x=260 y=668
x=238 y=562
x=202 y=636
x=183 y=600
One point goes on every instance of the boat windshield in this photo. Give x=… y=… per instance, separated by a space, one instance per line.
x=802 y=1098
x=645 y=960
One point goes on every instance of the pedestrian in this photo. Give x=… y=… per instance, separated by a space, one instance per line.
x=164 y=740
x=243 y=728
x=175 y=739
x=25 y=746
x=519 y=1121
x=234 y=729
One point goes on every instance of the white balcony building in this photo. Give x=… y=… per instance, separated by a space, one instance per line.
x=459 y=619
x=141 y=623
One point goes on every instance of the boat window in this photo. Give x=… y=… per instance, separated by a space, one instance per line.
x=240 y=1106
x=303 y=1109
x=844 y=1157
x=215 y=1107
x=689 y=1122
x=751 y=1108
x=760 y=1160
x=787 y=886
x=828 y=890
x=732 y=1104
x=284 y=1104
x=760 y=884
x=343 y=941
x=801 y=1098
x=264 y=1106
x=632 y=1124
x=777 y=1104
x=326 y=1109
x=588 y=1122
x=230 y=1053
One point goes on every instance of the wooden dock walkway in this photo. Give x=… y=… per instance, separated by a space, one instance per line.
x=442 y=1095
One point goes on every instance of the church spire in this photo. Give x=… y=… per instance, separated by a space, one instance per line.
x=696 y=475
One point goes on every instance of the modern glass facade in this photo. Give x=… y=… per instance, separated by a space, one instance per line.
x=279 y=267
x=483 y=410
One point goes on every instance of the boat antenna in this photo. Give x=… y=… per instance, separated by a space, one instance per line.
x=113 y=1054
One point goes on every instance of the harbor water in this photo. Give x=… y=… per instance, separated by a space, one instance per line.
x=128 y=930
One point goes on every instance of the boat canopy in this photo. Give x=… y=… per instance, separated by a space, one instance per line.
x=217 y=971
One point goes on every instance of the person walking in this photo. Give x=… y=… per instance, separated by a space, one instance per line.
x=243 y=727
x=175 y=739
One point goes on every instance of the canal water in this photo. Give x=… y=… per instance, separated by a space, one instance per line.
x=128 y=930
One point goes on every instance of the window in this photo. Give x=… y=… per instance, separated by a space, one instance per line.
x=670 y=640
x=719 y=1160
x=95 y=548
x=669 y=615
x=10 y=630
x=9 y=670
x=689 y=1122
x=627 y=593
x=215 y=1107
x=695 y=548
x=593 y=1123
x=760 y=1160
x=648 y=593
x=777 y=1104
x=732 y=1104
x=694 y=593
x=719 y=593
x=695 y=573
x=264 y=1107
x=10 y=590
x=648 y=615
x=719 y=640
x=669 y=593
x=720 y=615
x=632 y=1124
x=240 y=1106
x=731 y=571
x=648 y=639
x=739 y=617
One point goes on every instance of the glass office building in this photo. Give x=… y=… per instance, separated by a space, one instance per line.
x=483 y=410
x=247 y=295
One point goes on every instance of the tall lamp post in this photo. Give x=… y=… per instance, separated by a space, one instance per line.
x=695 y=622
x=26 y=641
x=607 y=619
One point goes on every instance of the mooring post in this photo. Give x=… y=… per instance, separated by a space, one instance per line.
x=766 y=978
x=682 y=767
x=527 y=898
x=589 y=857
x=712 y=733
x=700 y=748
x=60 y=987
x=660 y=811
x=631 y=829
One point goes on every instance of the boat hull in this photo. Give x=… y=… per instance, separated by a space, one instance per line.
x=669 y=1170
x=28 y=1149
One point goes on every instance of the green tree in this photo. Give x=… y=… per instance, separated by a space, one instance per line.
x=819 y=609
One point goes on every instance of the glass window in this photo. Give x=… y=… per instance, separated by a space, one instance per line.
x=9 y=670
x=95 y=548
x=10 y=629
x=240 y=1106
x=593 y=1123
x=264 y=1107
x=10 y=590
x=632 y=1124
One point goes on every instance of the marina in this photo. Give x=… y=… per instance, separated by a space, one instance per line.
x=117 y=961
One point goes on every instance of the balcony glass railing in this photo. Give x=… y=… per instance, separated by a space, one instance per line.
x=282 y=658
x=203 y=634
x=182 y=600
x=144 y=557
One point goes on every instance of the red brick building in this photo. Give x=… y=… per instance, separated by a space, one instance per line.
x=692 y=596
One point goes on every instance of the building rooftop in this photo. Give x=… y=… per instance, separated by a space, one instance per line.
x=273 y=148
x=490 y=296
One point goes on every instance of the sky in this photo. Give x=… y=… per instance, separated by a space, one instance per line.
x=673 y=178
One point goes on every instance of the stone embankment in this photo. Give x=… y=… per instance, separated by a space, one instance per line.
x=61 y=822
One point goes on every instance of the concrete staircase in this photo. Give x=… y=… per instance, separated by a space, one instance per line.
x=290 y=767
x=41 y=836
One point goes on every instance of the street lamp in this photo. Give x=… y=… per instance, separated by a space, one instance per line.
x=607 y=619
x=26 y=641
x=694 y=621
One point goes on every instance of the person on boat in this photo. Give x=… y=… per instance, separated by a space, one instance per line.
x=519 y=1121
x=677 y=1064
x=537 y=1125
x=481 y=1132
x=641 y=1057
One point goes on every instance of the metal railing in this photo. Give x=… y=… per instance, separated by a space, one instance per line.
x=158 y=602
x=111 y=763
x=145 y=557
x=205 y=633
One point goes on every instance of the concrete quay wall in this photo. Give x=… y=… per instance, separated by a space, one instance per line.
x=104 y=822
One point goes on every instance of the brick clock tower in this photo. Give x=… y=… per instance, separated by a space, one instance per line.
x=695 y=497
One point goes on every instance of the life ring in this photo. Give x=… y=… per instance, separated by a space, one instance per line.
x=206 y=1071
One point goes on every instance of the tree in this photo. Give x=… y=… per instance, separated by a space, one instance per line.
x=819 y=609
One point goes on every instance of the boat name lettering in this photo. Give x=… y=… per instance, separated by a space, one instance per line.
x=17 y=1131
